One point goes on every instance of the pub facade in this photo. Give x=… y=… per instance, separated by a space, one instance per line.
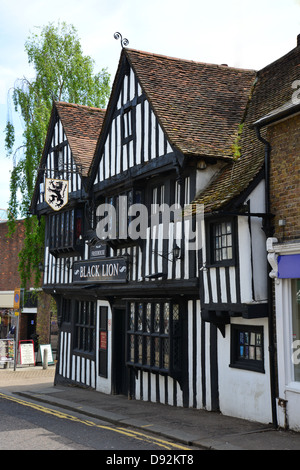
x=165 y=309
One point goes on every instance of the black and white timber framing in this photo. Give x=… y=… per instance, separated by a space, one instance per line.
x=165 y=334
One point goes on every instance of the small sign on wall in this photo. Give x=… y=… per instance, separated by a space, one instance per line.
x=103 y=340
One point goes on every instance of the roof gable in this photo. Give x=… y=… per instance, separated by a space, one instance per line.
x=82 y=125
x=198 y=106
x=77 y=126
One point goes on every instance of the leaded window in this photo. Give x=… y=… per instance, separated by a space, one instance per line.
x=221 y=239
x=154 y=336
x=114 y=217
x=65 y=230
x=85 y=327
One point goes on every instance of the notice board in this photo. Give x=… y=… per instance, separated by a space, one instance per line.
x=26 y=348
x=47 y=347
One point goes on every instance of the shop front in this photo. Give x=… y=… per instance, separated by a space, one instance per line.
x=285 y=261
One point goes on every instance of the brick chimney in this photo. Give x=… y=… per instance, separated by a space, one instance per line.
x=298 y=40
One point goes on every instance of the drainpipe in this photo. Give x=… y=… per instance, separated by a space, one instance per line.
x=268 y=232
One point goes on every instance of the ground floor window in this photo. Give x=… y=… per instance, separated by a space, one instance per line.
x=296 y=325
x=247 y=347
x=154 y=336
x=85 y=320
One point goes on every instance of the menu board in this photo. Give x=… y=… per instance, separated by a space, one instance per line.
x=26 y=352
x=47 y=347
x=7 y=348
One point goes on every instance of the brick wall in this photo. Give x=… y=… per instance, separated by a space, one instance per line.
x=9 y=260
x=284 y=138
x=10 y=279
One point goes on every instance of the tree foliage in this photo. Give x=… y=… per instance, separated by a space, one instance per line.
x=62 y=73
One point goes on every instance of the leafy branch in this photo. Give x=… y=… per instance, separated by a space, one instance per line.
x=62 y=72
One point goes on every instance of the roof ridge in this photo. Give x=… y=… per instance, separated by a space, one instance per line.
x=279 y=59
x=210 y=64
x=76 y=105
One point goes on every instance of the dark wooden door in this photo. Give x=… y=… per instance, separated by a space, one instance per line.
x=120 y=371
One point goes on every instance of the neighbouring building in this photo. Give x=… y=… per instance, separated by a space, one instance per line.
x=283 y=146
x=9 y=276
x=34 y=322
x=142 y=310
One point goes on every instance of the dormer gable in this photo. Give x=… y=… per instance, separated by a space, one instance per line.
x=69 y=148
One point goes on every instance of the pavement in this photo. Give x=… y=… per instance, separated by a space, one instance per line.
x=197 y=428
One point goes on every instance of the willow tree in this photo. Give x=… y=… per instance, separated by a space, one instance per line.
x=62 y=73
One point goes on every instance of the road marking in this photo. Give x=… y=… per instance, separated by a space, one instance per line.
x=127 y=432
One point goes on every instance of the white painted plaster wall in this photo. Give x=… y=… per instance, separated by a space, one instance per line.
x=257 y=205
x=244 y=394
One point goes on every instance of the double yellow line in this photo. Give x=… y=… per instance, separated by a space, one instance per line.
x=130 y=433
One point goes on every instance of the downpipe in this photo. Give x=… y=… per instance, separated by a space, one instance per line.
x=269 y=232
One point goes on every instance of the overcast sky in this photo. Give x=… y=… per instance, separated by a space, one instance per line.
x=240 y=33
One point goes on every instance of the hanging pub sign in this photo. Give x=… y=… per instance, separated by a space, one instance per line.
x=56 y=193
x=100 y=270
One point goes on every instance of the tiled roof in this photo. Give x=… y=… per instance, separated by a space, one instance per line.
x=273 y=88
x=199 y=105
x=82 y=125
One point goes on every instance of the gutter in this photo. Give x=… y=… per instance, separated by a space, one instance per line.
x=268 y=231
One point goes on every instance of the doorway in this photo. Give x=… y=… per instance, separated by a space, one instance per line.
x=120 y=370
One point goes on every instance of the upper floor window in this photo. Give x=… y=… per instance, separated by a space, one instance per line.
x=222 y=241
x=58 y=162
x=221 y=238
x=127 y=125
x=157 y=198
x=65 y=231
x=114 y=215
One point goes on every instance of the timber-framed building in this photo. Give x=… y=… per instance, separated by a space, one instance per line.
x=149 y=317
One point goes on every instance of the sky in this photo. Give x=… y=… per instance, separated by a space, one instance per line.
x=241 y=33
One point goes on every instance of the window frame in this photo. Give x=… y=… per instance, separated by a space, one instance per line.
x=135 y=195
x=211 y=258
x=148 y=336
x=65 y=231
x=237 y=362
x=295 y=325
x=59 y=164
x=86 y=327
x=127 y=124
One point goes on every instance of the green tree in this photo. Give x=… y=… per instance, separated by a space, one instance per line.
x=62 y=73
